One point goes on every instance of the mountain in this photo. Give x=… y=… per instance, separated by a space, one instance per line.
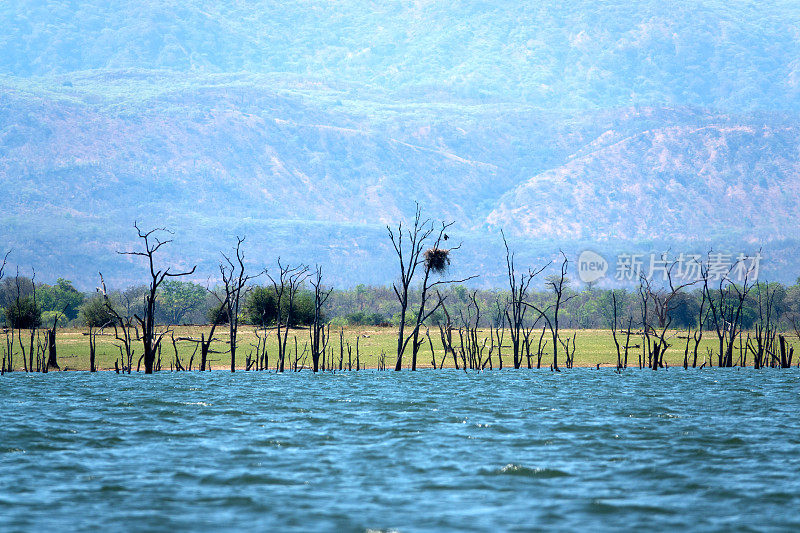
x=688 y=181
x=311 y=126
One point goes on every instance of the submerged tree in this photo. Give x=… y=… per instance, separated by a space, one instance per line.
x=726 y=304
x=416 y=247
x=658 y=304
x=234 y=285
x=319 y=337
x=286 y=285
x=151 y=338
x=516 y=308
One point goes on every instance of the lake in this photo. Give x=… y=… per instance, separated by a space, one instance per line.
x=584 y=449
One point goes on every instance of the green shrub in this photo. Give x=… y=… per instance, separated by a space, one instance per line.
x=217 y=314
x=23 y=314
x=362 y=318
x=94 y=313
x=261 y=306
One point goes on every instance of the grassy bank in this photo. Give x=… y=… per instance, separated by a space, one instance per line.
x=593 y=347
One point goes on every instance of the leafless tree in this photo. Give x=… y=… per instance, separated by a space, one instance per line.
x=726 y=304
x=319 y=340
x=614 y=329
x=151 y=338
x=702 y=315
x=289 y=281
x=558 y=284
x=3 y=265
x=471 y=348
x=766 y=327
x=661 y=302
x=410 y=245
x=516 y=309
x=52 y=354
x=8 y=348
x=446 y=334
x=122 y=330
x=234 y=284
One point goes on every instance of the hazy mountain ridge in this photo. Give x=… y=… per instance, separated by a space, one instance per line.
x=552 y=54
x=568 y=125
x=686 y=181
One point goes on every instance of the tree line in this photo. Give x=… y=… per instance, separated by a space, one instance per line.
x=749 y=319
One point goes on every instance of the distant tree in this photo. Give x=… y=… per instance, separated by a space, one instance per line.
x=60 y=298
x=95 y=313
x=303 y=309
x=361 y=318
x=218 y=314
x=261 y=307
x=24 y=313
x=15 y=287
x=177 y=298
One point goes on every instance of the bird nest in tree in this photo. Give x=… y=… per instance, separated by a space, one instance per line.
x=437 y=259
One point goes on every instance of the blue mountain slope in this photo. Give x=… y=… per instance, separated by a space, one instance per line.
x=566 y=123
x=568 y=54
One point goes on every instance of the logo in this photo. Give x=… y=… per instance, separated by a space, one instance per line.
x=591 y=266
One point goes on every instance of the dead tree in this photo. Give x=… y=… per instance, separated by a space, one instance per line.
x=614 y=329
x=93 y=350
x=785 y=359
x=725 y=305
x=795 y=325
x=446 y=334
x=569 y=349
x=261 y=350
x=52 y=354
x=234 y=284
x=471 y=347
x=8 y=348
x=411 y=256
x=541 y=348
x=319 y=341
x=122 y=329
x=766 y=328
x=660 y=300
x=516 y=308
x=433 y=352
x=558 y=284
x=151 y=338
x=286 y=286
x=702 y=315
x=498 y=332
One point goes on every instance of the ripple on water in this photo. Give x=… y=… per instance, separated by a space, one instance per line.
x=524 y=471
x=424 y=451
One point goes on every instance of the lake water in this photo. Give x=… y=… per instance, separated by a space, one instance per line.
x=578 y=450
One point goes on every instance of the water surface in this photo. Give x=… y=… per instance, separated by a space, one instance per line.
x=715 y=450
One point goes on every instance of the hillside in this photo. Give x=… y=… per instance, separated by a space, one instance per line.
x=310 y=126
x=552 y=54
x=690 y=182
